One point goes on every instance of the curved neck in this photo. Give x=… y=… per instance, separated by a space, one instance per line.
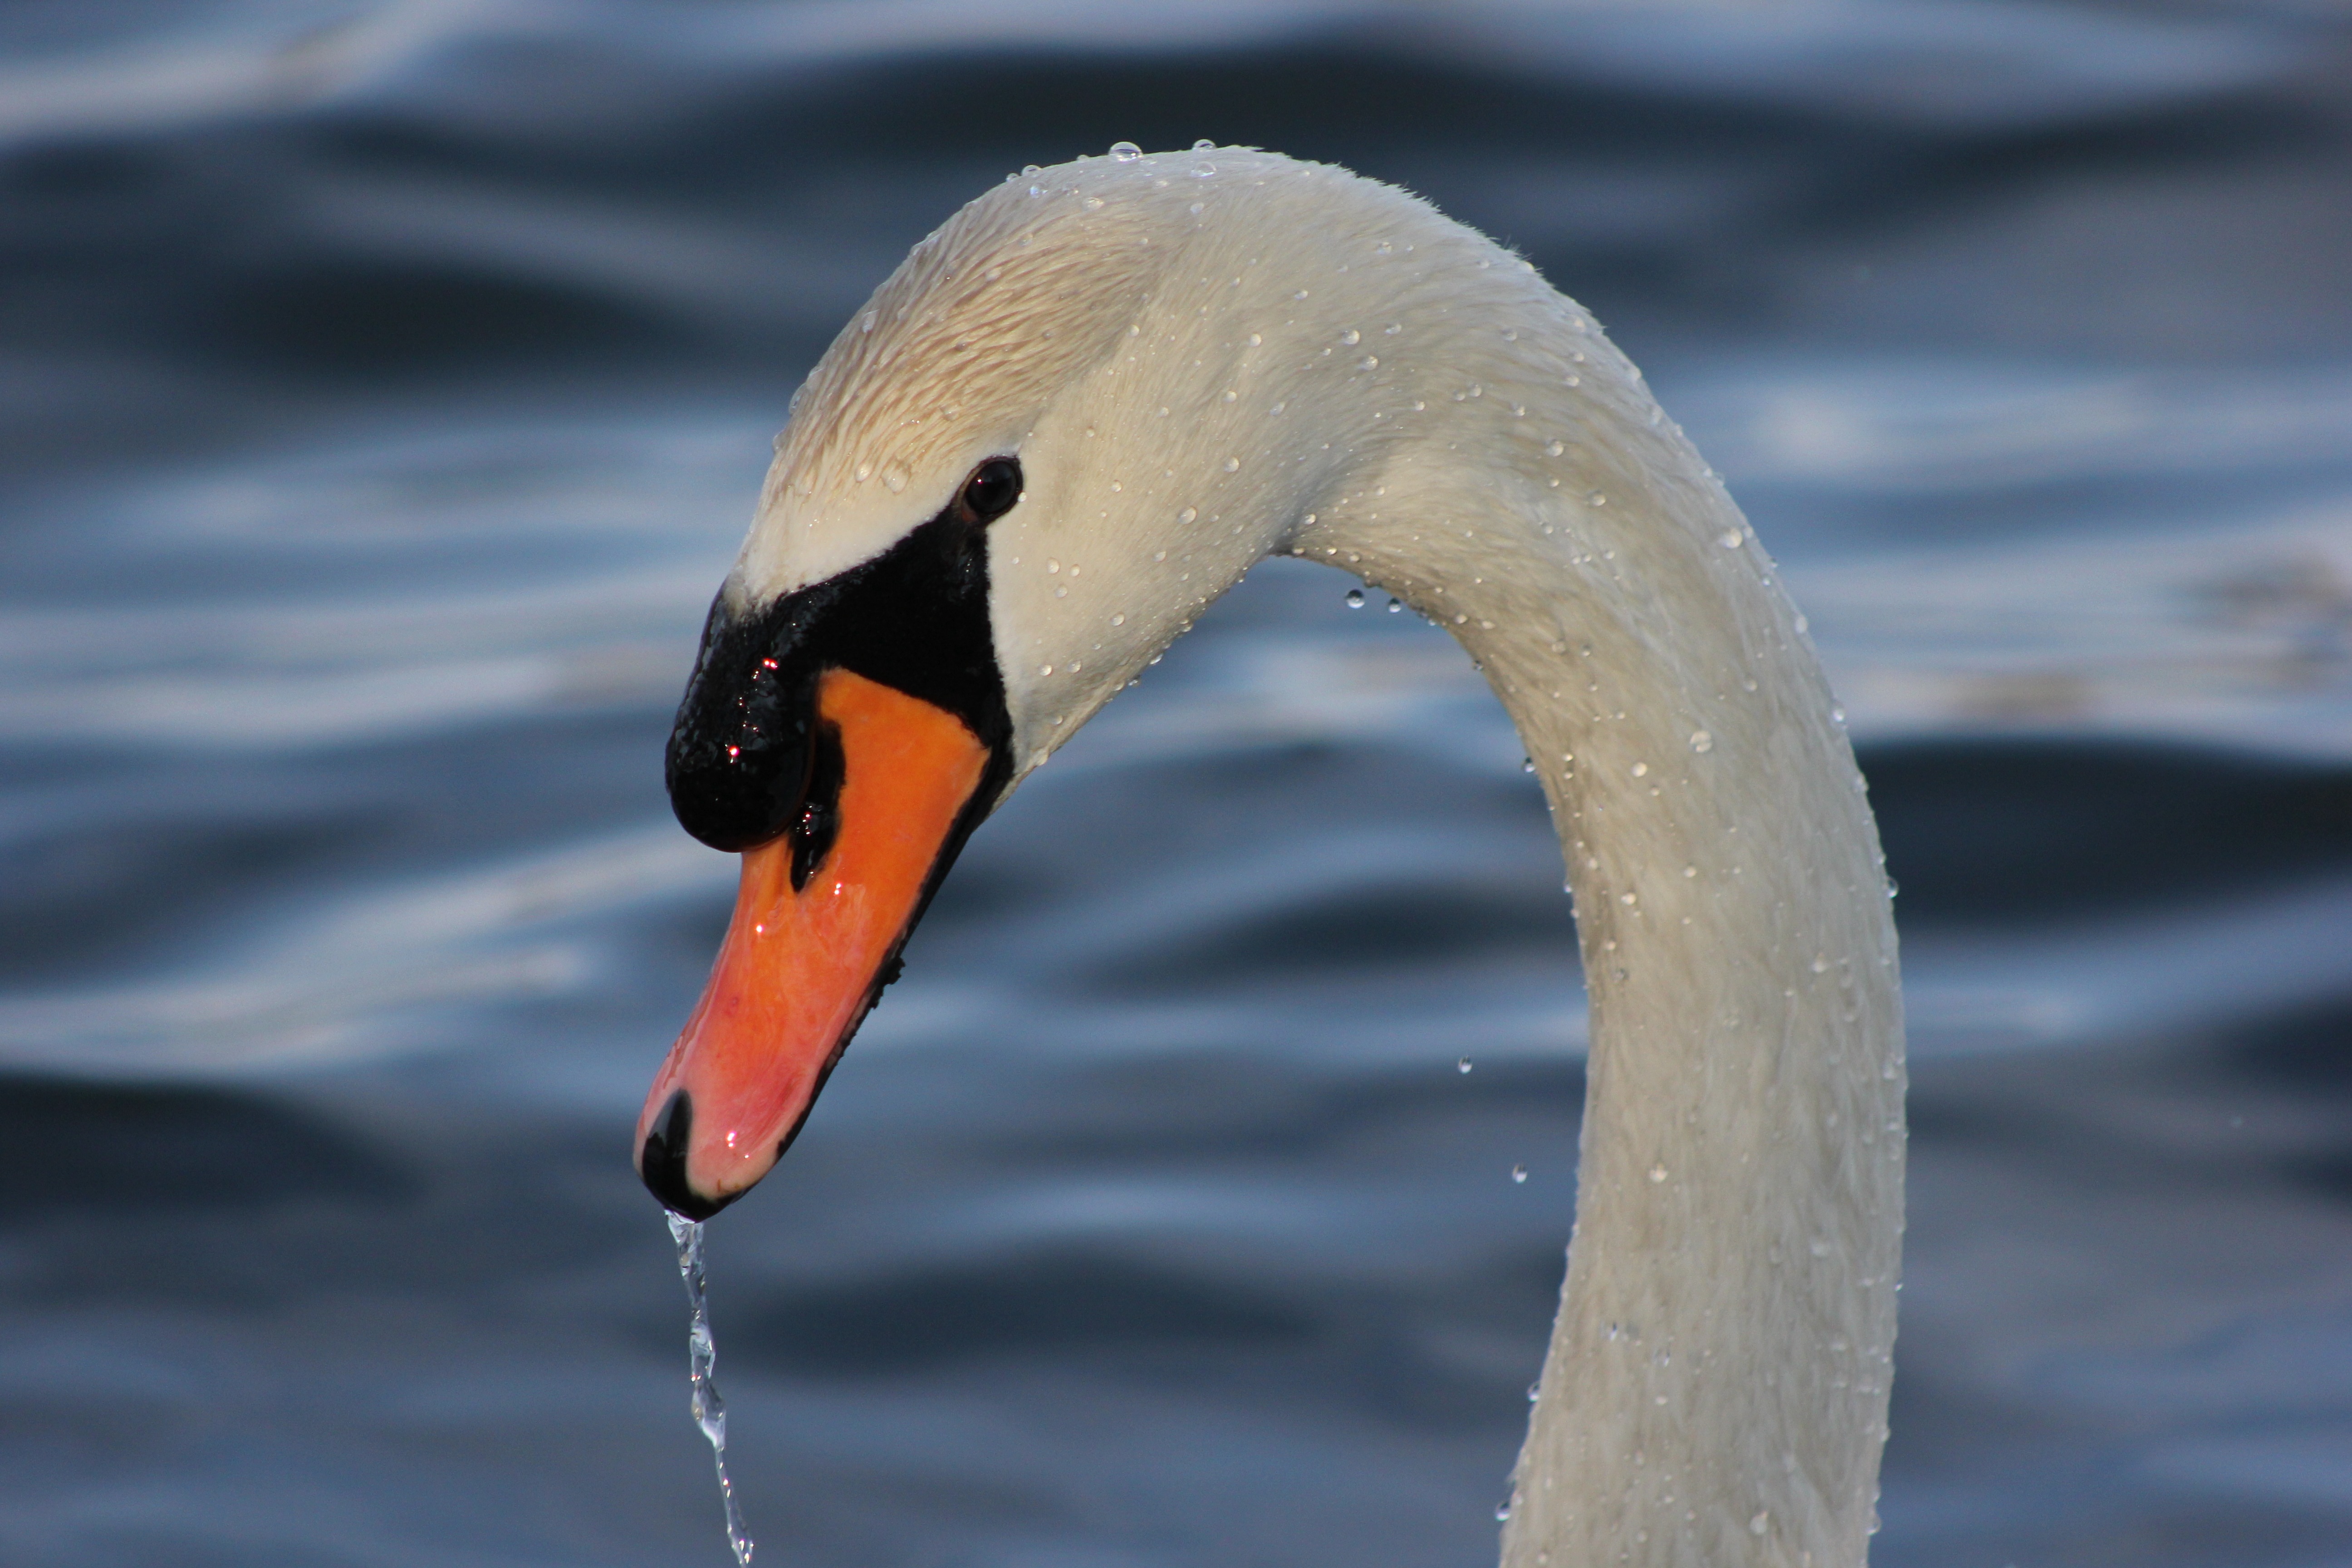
x=1278 y=357
x=1716 y=1385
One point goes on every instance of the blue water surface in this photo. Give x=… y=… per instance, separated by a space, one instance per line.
x=382 y=392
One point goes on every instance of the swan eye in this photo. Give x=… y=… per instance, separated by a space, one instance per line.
x=992 y=489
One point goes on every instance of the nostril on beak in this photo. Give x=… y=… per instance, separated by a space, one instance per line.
x=662 y=1162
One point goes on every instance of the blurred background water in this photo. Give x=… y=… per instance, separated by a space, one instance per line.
x=382 y=392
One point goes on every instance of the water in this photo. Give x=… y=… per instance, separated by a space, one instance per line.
x=382 y=393
x=702 y=1374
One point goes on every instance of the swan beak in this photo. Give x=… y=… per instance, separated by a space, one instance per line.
x=820 y=915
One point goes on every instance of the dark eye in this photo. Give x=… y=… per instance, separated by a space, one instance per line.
x=992 y=489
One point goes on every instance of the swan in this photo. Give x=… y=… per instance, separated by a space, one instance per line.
x=1076 y=414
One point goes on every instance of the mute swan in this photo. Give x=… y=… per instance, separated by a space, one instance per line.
x=1073 y=417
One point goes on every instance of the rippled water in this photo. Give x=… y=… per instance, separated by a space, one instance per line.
x=383 y=393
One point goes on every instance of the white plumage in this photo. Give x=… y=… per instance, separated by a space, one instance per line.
x=1201 y=359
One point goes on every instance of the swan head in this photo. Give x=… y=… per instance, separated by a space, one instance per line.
x=1070 y=420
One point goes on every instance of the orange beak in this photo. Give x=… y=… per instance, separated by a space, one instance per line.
x=802 y=966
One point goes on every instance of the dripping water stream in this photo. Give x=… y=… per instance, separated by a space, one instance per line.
x=702 y=1357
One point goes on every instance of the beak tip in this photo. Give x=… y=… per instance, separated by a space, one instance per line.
x=661 y=1161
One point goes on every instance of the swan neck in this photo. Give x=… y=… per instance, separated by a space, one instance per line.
x=1716 y=1389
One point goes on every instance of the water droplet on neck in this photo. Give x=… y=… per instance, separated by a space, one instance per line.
x=1395 y=604
x=1202 y=145
x=1125 y=151
x=1355 y=598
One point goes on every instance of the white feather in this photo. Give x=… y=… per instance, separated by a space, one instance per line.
x=1205 y=358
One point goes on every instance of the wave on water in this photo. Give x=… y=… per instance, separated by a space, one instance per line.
x=385 y=390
